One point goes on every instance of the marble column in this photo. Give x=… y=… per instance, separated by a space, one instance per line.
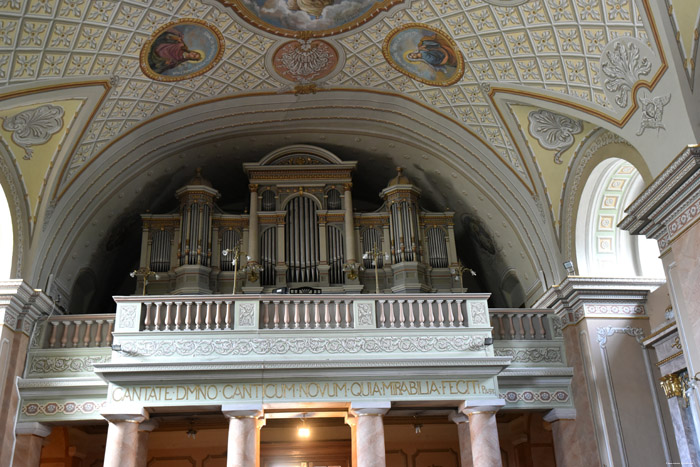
x=483 y=432
x=144 y=432
x=567 y=451
x=123 y=436
x=243 y=434
x=465 y=442
x=369 y=433
x=30 y=439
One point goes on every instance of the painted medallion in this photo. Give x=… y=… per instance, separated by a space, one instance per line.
x=181 y=50
x=425 y=54
x=304 y=61
x=308 y=18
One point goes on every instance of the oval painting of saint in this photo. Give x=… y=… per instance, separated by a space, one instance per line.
x=425 y=54
x=310 y=18
x=181 y=50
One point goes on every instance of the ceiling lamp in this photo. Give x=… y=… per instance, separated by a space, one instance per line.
x=304 y=431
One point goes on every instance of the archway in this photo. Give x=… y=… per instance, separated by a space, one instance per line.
x=6 y=237
x=602 y=248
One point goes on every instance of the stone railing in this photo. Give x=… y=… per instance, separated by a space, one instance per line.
x=524 y=324
x=271 y=312
x=71 y=332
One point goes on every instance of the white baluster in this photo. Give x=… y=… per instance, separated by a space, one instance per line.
x=421 y=311
x=147 y=318
x=208 y=318
x=431 y=317
x=382 y=318
x=460 y=315
x=286 y=314
x=167 y=325
x=110 y=328
x=450 y=314
x=317 y=314
x=348 y=315
x=276 y=321
x=227 y=319
x=198 y=316
x=307 y=318
x=296 y=314
x=327 y=314
x=441 y=315
x=402 y=319
x=156 y=320
x=178 y=316
x=64 y=337
x=337 y=314
x=76 y=331
x=512 y=326
x=392 y=316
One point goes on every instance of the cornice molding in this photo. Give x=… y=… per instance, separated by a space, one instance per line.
x=669 y=205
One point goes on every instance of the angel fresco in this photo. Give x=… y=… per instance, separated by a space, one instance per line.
x=314 y=8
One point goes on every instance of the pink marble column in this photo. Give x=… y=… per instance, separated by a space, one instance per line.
x=483 y=432
x=566 y=446
x=144 y=432
x=123 y=436
x=352 y=423
x=243 y=434
x=465 y=442
x=369 y=433
x=28 y=444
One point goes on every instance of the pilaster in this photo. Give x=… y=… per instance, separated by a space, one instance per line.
x=30 y=440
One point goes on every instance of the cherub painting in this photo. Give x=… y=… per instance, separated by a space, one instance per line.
x=425 y=54
x=181 y=50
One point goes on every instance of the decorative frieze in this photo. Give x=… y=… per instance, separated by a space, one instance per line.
x=188 y=347
x=60 y=409
x=531 y=355
x=44 y=365
x=520 y=397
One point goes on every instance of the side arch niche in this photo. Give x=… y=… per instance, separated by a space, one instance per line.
x=602 y=249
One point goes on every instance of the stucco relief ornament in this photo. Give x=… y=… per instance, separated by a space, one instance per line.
x=34 y=127
x=554 y=131
x=652 y=112
x=623 y=66
x=305 y=60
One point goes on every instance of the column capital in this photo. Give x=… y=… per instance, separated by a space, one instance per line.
x=149 y=425
x=359 y=409
x=456 y=417
x=555 y=415
x=33 y=428
x=347 y=186
x=124 y=413
x=253 y=187
x=473 y=406
x=242 y=410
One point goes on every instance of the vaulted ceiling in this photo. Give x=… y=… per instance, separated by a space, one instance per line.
x=500 y=130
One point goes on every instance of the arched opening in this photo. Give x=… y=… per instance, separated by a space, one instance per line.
x=6 y=238
x=602 y=248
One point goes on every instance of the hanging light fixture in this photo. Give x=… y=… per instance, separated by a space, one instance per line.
x=303 y=431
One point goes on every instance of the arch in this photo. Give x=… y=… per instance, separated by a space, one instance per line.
x=599 y=146
x=6 y=237
x=603 y=249
x=301 y=194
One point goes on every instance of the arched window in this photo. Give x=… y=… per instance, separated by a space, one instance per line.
x=6 y=239
x=602 y=248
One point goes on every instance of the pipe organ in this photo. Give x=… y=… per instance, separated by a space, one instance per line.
x=300 y=231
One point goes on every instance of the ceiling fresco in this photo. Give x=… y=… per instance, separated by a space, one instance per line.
x=553 y=45
x=508 y=91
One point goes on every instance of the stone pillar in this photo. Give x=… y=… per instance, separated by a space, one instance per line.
x=144 y=432
x=368 y=441
x=465 y=442
x=243 y=434
x=566 y=447
x=30 y=439
x=122 y=447
x=253 y=236
x=20 y=308
x=350 y=253
x=483 y=432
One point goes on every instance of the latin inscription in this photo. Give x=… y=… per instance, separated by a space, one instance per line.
x=345 y=390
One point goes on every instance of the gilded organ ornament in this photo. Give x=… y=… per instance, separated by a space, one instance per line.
x=425 y=54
